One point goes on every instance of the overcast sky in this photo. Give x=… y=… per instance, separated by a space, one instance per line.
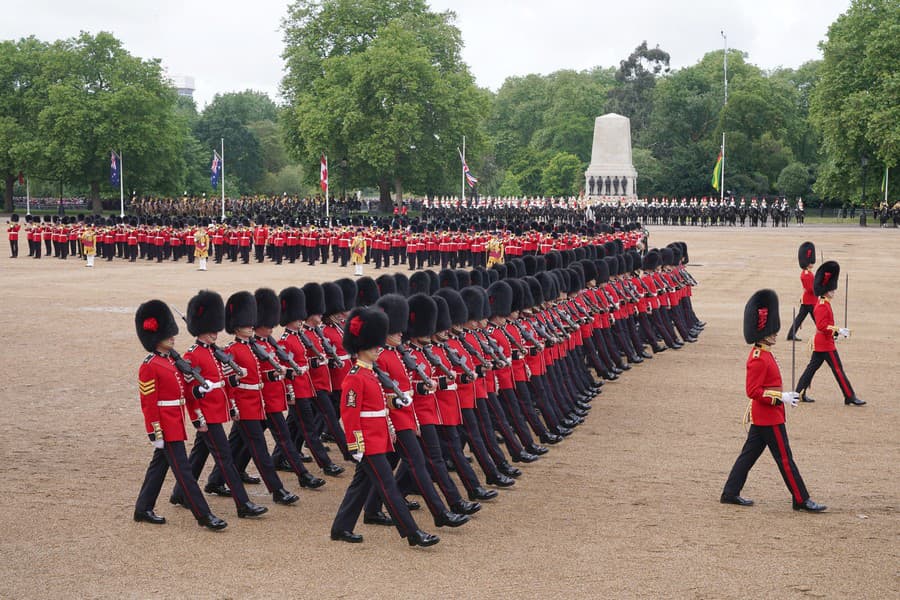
x=233 y=45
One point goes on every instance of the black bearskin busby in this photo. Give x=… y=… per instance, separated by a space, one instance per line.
x=366 y=291
x=422 y=316
x=315 y=299
x=459 y=314
x=473 y=296
x=761 y=316
x=806 y=254
x=154 y=322
x=419 y=283
x=500 y=297
x=268 y=308
x=365 y=328
x=826 y=279
x=348 y=292
x=240 y=311
x=334 y=298
x=386 y=284
x=293 y=305
x=396 y=308
x=205 y=313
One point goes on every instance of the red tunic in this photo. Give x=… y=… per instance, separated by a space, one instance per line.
x=214 y=405
x=806 y=280
x=335 y=335
x=321 y=378
x=248 y=394
x=302 y=382
x=425 y=405
x=764 y=387
x=364 y=412
x=448 y=401
x=391 y=363
x=465 y=392
x=504 y=375
x=824 y=316
x=162 y=389
x=274 y=390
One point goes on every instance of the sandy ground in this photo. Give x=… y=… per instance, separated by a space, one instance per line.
x=626 y=507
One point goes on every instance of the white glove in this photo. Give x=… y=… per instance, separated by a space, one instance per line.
x=158 y=444
x=404 y=400
x=207 y=388
x=357 y=456
x=843 y=332
x=790 y=398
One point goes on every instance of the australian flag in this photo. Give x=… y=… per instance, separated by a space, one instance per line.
x=114 y=169
x=215 y=170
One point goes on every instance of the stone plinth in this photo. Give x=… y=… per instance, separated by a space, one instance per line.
x=611 y=175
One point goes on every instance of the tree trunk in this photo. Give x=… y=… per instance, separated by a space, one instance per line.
x=96 y=205
x=8 y=193
x=385 y=204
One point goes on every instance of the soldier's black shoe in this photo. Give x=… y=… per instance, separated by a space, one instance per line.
x=854 y=401
x=550 y=438
x=525 y=457
x=218 y=490
x=283 y=496
x=610 y=376
x=480 y=493
x=618 y=370
x=793 y=338
x=464 y=507
x=333 y=470
x=248 y=478
x=306 y=458
x=625 y=367
x=346 y=536
x=251 y=509
x=413 y=505
x=501 y=480
x=563 y=431
x=450 y=519
x=378 y=518
x=537 y=450
x=568 y=423
x=308 y=480
x=805 y=398
x=583 y=406
x=283 y=465
x=739 y=500
x=637 y=359
x=690 y=339
x=177 y=501
x=677 y=346
x=659 y=348
x=509 y=470
x=646 y=354
x=148 y=516
x=420 y=538
x=809 y=506
x=213 y=522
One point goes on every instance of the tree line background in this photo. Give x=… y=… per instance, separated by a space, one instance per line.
x=380 y=86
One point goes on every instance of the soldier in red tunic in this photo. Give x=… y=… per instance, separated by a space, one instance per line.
x=162 y=391
x=767 y=401
x=12 y=229
x=369 y=433
x=806 y=256
x=824 y=350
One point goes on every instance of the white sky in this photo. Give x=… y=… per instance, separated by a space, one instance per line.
x=233 y=45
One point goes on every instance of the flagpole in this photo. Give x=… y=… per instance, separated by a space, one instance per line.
x=222 y=158
x=27 y=196
x=327 y=202
x=725 y=68
x=463 y=169
x=886 y=182
x=121 y=185
x=722 y=183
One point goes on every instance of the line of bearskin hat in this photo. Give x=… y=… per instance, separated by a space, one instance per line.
x=366 y=291
x=205 y=313
x=365 y=328
x=535 y=289
x=517 y=294
x=396 y=308
x=422 y=316
x=386 y=285
x=240 y=311
x=761 y=317
x=154 y=323
x=463 y=279
x=447 y=279
x=443 y=322
x=473 y=296
x=402 y=282
x=433 y=279
x=315 y=299
x=477 y=277
x=334 y=298
x=651 y=260
x=500 y=296
x=419 y=283
x=348 y=292
x=293 y=305
x=459 y=313
x=826 y=279
x=806 y=254
x=268 y=308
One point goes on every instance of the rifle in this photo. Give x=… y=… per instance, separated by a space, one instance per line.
x=497 y=359
x=307 y=343
x=336 y=360
x=387 y=383
x=263 y=354
x=846 y=297
x=437 y=362
x=514 y=341
x=284 y=356
x=411 y=364
x=526 y=334
x=226 y=359
x=459 y=361
x=188 y=369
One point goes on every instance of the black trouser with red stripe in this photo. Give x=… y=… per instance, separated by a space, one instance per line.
x=510 y=404
x=834 y=361
x=775 y=437
x=247 y=436
x=215 y=442
x=500 y=421
x=486 y=427
x=449 y=435
x=805 y=309
x=171 y=456
x=434 y=459
x=478 y=445
x=300 y=426
x=279 y=429
x=373 y=472
x=326 y=408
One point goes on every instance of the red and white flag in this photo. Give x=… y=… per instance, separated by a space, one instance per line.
x=323 y=174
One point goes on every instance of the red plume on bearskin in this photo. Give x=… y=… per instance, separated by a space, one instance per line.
x=366 y=328
x=761 y=317
x=826 y=279
x=154 y=322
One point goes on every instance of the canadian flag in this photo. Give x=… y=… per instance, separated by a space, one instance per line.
x=323 y=174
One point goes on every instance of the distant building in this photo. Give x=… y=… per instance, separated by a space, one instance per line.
x=184 y=85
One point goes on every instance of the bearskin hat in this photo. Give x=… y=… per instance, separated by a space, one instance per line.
x=435 y=284
x=447 y=279
x=154 y=322
x=651 y=260
x=334 y=298
x=473 y=296
x=826 y=279
x=268 y=308
x=520 y=267
x=477 y=277
x=315 y=298
x=463 y=279
x=518 y=296
x=530 y=264
x=500 y=297
x=419 y=283
x=397 y=310
x=14 y=217
x=443 y=321
x=527 y=297
x=553 y=260
x=761 y=316
x=590 y=271
x=402 y=282
x=386 y=284
x=459 y=314
x=205 y=313
x=493 y=275
x=365 y=328
x=348 y=292
x=422 y=316
x=576 y=280
x=548 y=286
x=366 y=291
x=293 y=305
x=501 y=269
x=580 y=253
x=667 y=256
x=684 y=252
x=240 y=311
x=676 y=254
x=535 y=289
x=806 y=254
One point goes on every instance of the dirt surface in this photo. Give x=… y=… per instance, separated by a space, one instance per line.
x=626 y=507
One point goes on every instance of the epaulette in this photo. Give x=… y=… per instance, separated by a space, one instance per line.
x=149 y=358
x=191 y=349
x=354 y=369
x=757 y=352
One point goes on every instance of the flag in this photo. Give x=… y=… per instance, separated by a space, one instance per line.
x=323 y=174
x=717 y=173
x=21 y=178
x=215 y=170
x=113 y=169
x=470 y=179
x=884 y=180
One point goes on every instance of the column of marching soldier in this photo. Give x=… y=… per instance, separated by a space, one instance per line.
x=401 y=373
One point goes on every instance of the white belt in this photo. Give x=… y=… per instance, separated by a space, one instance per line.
x=250 y=386
x=179 y=402
x=344 y=357
x=373 y=414
x=450 y=387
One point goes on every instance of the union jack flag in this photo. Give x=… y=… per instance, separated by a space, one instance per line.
x=470 y=179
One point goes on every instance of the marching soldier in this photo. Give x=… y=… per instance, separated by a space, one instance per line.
x=369 y=433
x=162 y=391
x=12 y=229
x=806 y=256
x=766 y=410
x=824 y=350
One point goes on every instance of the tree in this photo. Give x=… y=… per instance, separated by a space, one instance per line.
x=793 y=181
x=854 y=105
x=381 y=83
x=563 y=175
x=636 y=78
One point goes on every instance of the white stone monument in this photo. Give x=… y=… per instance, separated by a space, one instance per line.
x=611 y=176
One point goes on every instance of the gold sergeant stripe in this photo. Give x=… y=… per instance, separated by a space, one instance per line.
x=775 y=395
x=147 y=387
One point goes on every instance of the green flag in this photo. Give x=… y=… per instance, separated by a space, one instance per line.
x=717 y=173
